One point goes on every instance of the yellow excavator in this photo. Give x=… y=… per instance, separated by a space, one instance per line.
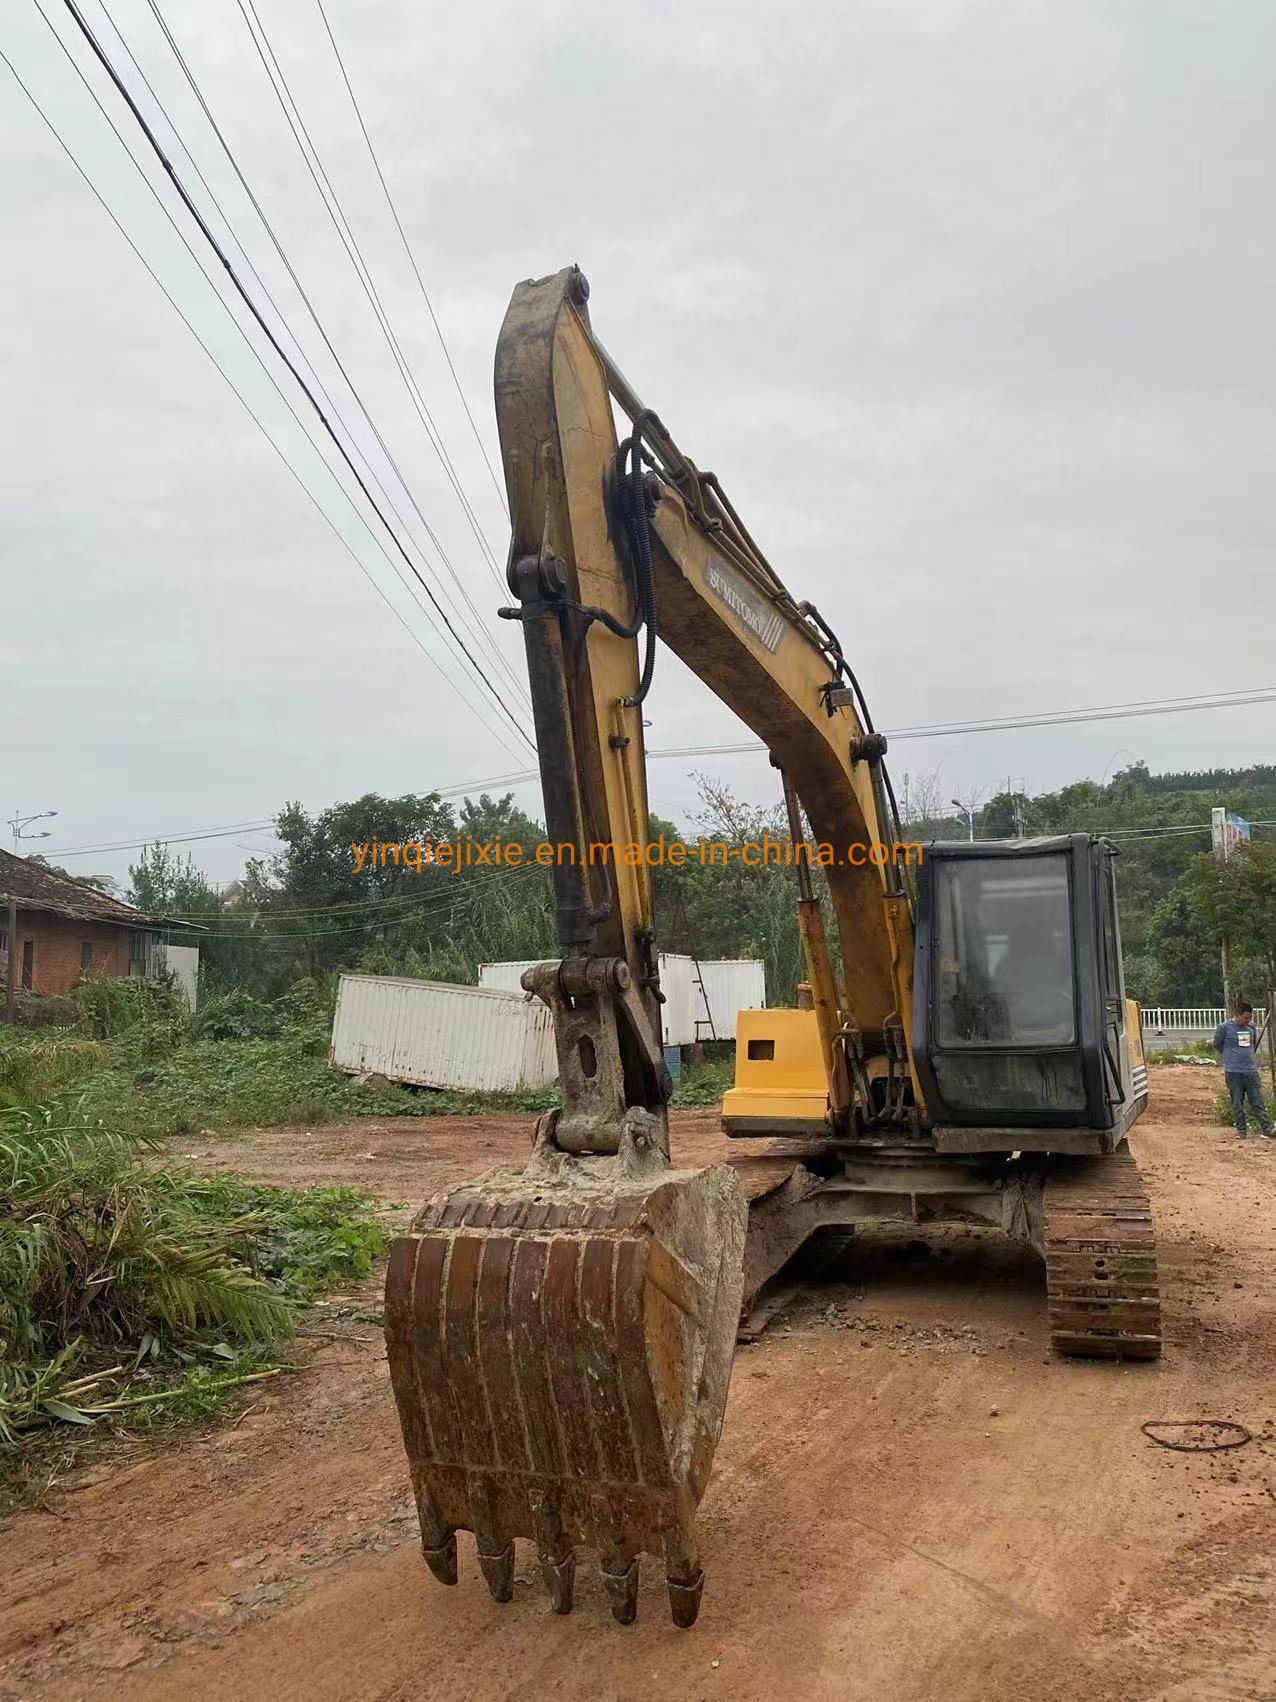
x=560 y=1335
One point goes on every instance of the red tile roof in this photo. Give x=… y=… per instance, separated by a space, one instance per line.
x=47 y=890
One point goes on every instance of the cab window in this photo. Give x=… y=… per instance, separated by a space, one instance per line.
x=1003 y=944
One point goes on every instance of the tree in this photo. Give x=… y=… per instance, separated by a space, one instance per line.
x=727 y=908
x=500 y=818
x=922 y=804
x=1236 y=901
x=1005 y=816
x=337 y=885
x=1180 y=965
x=165 y=883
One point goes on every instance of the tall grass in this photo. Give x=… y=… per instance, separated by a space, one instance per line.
x=129 y=1286
x=103 y=1260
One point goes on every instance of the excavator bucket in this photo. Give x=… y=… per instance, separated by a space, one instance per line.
x=560 y=1344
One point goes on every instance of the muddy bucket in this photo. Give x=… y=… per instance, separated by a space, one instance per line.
x=560 y=1344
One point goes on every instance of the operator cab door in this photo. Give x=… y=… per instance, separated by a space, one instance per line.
x=1116 y=1057
x=1018 y=1018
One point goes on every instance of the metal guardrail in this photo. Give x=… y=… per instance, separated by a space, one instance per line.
x=1206 y=1018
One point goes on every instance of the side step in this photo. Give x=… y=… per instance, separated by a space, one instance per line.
x=1100 y=1246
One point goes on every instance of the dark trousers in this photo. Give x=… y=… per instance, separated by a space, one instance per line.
x=1246 y=1090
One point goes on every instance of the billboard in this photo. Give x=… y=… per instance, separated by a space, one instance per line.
x=1227 y=831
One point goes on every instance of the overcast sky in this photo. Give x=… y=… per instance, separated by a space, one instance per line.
x=969 y=306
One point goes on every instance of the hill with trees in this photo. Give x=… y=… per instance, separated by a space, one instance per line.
x=309 y=911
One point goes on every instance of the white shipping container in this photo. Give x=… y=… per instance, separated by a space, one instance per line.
x=677 y=1014
x=727 y=985
x=433 y=1034
x=506 y=977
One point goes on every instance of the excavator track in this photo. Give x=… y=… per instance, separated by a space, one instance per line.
x=1100 y=1245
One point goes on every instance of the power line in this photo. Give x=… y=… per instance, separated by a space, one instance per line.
x=521 y=776
x=234 y=388
x=341 y=224
x=265 y=291
x=1066 y=717
x=1151 y=706
x=254 y=352
x=312 y=311
x=1105 y=712
x=434 y=899
x=407 y=249
x=209 y=236
x=466 y=899
x=161 y=839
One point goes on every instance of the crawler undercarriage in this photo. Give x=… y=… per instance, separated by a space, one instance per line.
x=1088 y=1218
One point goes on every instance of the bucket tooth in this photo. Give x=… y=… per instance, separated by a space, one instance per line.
x=560 y=1580
x=621 y=1580
x=498 y=1569
x=684 y=1574
x=442 y=1560
x=557 y=1556
x=684 y=1599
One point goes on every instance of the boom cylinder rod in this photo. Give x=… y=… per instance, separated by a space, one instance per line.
x=819 y=966
x=797 y=838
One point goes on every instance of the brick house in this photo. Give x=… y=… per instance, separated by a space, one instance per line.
x=67 y=931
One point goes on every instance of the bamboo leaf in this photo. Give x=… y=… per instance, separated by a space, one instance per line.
x=62 y=1409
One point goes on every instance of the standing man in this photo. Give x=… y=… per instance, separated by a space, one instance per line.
x=1237 y=1041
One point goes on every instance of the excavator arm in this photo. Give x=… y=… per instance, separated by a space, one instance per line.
x=611 y=543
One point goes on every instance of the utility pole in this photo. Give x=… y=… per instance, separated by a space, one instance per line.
x=18 y=824
x=1222 y=831
x=11 y=978
x=1270 y=1033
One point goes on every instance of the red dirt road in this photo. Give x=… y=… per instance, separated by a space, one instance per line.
x=910 y=1501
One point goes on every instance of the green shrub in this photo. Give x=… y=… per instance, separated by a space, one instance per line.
x=105 y=1007
x=704 y=1084
x=117 y=1277
x=237 y=1015
x=37 y=1067
x=35 y=1010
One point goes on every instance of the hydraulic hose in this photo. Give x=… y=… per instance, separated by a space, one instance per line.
x=640 y=544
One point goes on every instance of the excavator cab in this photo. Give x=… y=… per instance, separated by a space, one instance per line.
x=1019 y=1010
x=1020 y=1021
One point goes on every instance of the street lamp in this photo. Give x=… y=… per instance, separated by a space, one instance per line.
x=18 y=825
x=968 y=810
